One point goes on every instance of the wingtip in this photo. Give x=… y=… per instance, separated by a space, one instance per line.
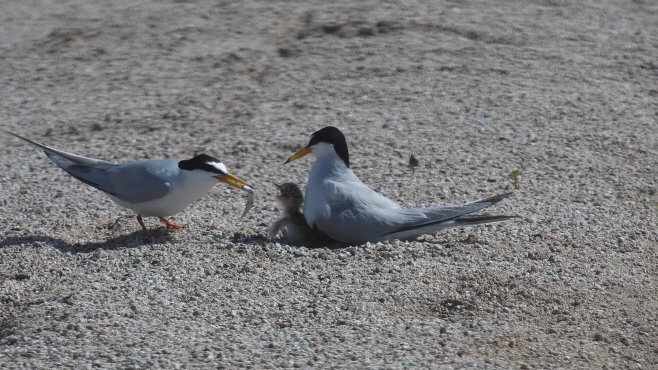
x=38 y=145
x=482 y=219
x=22 y=138
x=496 y=198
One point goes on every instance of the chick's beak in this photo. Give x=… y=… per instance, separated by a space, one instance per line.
x=231 y=180
x=302 y=152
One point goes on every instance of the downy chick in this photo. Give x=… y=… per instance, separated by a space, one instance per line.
x=293 y=225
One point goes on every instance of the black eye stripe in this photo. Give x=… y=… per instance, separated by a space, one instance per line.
x=201 y=162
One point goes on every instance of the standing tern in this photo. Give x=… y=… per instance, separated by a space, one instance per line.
x=293 y=225
x=343 y=207
x=157 y=187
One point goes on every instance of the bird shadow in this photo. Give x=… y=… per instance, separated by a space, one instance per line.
x=132 y=240
x=256 y=238
x=262 y=239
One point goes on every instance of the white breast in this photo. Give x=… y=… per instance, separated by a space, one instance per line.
x=327 y=170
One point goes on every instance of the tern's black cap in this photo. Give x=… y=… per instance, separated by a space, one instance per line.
x=202 y=162
x=334 y=137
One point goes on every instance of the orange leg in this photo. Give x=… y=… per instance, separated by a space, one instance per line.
x=146 y=231
x=171 y=226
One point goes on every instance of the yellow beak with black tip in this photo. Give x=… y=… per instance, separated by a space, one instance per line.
x=302 y=152
x=231 y=180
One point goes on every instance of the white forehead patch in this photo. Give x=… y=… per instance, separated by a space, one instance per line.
x=218 y=165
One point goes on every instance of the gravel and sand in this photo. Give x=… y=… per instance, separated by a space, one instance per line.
x=474 y=90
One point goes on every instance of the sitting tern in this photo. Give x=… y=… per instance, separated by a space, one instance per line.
x=160 y=187
x=343 y=207
x=293 y=225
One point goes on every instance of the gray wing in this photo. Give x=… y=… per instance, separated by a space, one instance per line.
x=358 y=214
x=441 y=215
x=138 y=182
x=131 y=182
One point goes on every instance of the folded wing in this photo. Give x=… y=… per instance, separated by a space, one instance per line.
x=439 y=218
x=131 y=182
x=357 y=214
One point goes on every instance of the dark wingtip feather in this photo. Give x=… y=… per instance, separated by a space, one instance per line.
x=481 y=219
x=495 y=199
x=20 y=137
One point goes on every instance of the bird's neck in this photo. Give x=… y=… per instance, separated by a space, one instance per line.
x=291 y=209
x=328 y=164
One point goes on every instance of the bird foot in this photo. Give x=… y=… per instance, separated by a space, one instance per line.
x=148 y=232
x=171 y=226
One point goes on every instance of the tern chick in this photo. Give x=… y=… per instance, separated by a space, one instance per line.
x=159 y=188
x=343 y=207
x=293 y=225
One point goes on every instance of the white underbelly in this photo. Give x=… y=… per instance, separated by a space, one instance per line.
x=174 y=202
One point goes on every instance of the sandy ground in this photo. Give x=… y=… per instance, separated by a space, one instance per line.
x=474 y=89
